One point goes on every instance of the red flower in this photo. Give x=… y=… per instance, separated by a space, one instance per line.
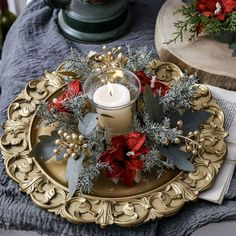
x=229 y=5
x=155 y=84
x=144 y=79
x=217 y=8
x=124 y=157
x=158 y=87
x=74 y=88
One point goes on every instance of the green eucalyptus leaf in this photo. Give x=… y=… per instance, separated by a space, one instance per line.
x=60 y=156
x=88 y=124
x=153 y=107
x=178 y=158
x=44 y=148
x=191 y=119
x=73 y=168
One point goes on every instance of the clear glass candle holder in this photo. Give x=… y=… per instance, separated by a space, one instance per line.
x=113 y=92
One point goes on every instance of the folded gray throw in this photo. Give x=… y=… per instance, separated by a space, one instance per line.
x=35 y=44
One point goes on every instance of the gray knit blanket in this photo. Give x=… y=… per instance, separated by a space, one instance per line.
x=35 y=44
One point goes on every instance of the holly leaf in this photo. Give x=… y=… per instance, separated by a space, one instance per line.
x=153 y=107
x=73 y=168
x=88 y=124
x=177 y=157
x=191 y=119
x=44 y=148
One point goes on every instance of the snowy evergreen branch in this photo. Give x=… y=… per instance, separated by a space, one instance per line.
x=153 y=162
x=138 y=58
x=51 y=116
x=79 y=106
x=88 y=176
x=99 y=140
x=180 y=94
x=157 y=133
x=78 y=63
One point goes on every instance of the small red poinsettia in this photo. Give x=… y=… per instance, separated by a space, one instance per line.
x=154 y=83
x=124 y=157
x=216 y=8
x=74 y=88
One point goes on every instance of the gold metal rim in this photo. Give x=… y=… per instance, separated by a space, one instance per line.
x=161 y=202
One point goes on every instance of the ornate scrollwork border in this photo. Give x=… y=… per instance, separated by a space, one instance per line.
x=161 y=202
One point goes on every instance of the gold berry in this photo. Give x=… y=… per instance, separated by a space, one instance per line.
x=189 y=148
x=194 y=152
x=179 y=123
x=74 y=136
x=65 y=155
x=73 y=155
x=60 y=131
x=200 y=146
x=58 y=142
x=196 y=133
x=56 y=151
x=177 y=140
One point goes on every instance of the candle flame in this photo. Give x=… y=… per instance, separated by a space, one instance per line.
x=110 y=89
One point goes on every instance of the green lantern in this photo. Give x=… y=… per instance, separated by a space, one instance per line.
x=93 y=20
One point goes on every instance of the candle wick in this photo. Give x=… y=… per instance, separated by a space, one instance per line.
x=110 y=93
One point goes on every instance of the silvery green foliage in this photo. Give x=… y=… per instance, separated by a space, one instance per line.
x=180 y=94
x=78 y=63
x=50 y=116
x=99 y=140
x=138 y=58
x=77 y=105
x=88 y=176
x=157 y=133
x=153 y=162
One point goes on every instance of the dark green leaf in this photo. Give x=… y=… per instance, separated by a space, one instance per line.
x=191 y=119
x=44 y=148
x=73 y=168
x=152 y=105
x=177 y=157
x=88 y=124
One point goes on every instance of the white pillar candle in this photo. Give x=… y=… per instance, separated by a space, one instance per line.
x=110 y=96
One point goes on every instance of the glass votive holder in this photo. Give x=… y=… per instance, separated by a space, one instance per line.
x=113 y=92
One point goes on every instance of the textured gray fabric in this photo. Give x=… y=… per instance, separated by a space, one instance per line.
x=33 y=45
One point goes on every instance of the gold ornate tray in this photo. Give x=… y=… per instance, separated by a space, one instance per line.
x=109 y=203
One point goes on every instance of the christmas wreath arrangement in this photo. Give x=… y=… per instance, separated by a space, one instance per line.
x=163 y=130
x=214 y=17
